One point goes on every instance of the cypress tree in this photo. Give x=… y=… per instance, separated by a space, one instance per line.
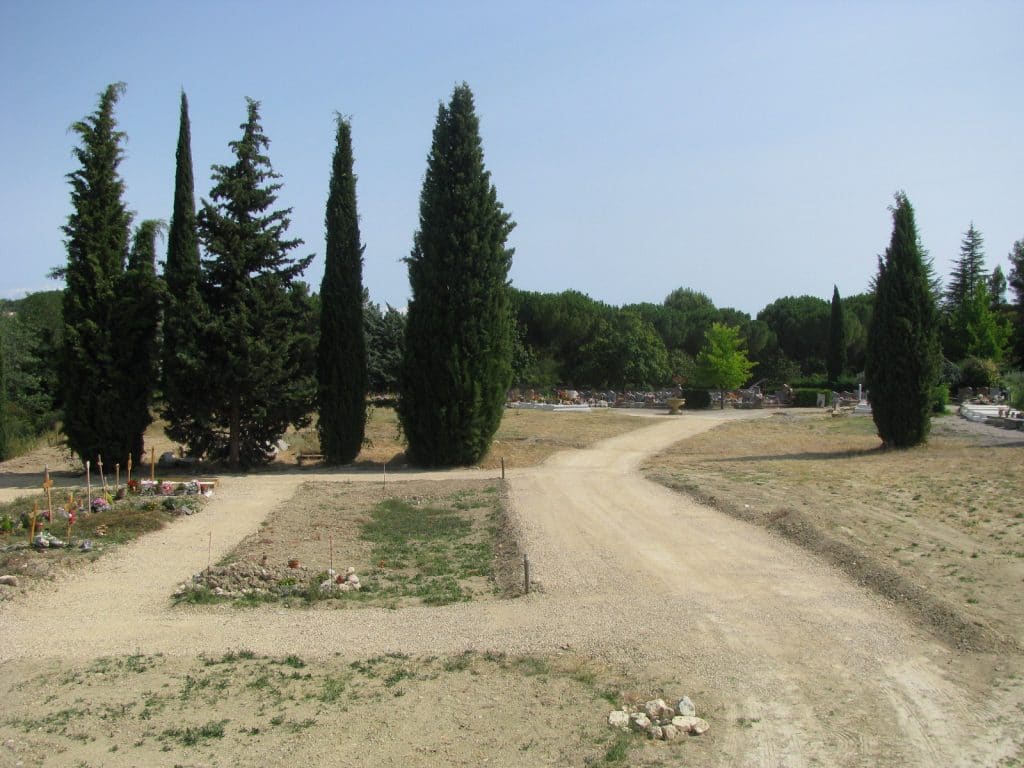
x=457 y=364
x=137 y=324
x=258 y=353
x=182 y=379
x=4 y=436
x=1016 y=281
x=902 y=360
x=836 y=361
x=97 y=236
x=341 y=355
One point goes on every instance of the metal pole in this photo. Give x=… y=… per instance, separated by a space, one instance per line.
x=526 y=574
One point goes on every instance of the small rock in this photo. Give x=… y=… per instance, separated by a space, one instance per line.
x=669 y=732
x=619 y=719
x=9 y=581
x=638 y=721
x=690 y=724
x=657 y=709
x=655 y=732
x=685 y=707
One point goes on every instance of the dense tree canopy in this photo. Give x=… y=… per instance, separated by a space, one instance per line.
x=459 y=331
x=801 y=328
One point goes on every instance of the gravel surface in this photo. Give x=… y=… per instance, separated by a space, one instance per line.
x=626 y=571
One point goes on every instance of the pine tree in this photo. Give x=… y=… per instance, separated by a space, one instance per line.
x=969 y=268
x=457 y=364
x=836 y=361
x=136 y=329
x=341 y=355
x=257 y=351
x=183 y=382
x=902 y=361
x=97 y=236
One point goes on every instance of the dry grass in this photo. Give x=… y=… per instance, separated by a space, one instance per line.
x=942 y=523
x=525 y=437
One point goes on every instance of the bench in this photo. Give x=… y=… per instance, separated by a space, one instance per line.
x=301 y=457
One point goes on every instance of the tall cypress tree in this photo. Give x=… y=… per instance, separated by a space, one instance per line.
x=182 y=377
x=136 y=328
x=902 y=361
x=836 y=339
x=258 y=353
x=4 y=436
x=341 y=355
x=457 y=362
x=97 y=236
x=1016 y=281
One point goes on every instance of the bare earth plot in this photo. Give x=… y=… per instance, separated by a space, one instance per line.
x=791 y=662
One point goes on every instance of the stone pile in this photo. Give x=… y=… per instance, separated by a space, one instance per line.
x=659 y=720
x=337 y=582
x=242 y=578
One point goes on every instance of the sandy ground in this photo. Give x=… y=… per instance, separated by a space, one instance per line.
x=819 y=671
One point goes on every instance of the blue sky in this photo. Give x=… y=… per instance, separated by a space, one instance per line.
x=746 y=150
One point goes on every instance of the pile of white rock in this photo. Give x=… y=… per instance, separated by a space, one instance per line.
x=336 y=582
x=659 y=720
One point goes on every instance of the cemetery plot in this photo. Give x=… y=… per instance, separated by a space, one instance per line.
x=418 y=543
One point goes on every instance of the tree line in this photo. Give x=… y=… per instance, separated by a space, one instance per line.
x=232 y=347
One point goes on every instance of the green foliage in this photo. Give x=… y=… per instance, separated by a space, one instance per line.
x=1014 y=383
x=4 y=441
x=626 y=351
x=857 y=313
x=723 y=362
x=341 y=355
x=978 y=372
x=902 y=364
x=1016 y=281
x=836 y=361
x=385 y=340
x=685 y=323
x=183 y=379
x=971 y=327
x=257 y=350
x=556 y=328
x=457 y=364
x=97 y=236
x=801 y=327
x=136 y=327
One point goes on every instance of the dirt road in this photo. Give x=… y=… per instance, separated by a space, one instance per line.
x=805 y=668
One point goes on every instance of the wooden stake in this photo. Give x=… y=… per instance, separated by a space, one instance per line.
x=129 y=469
x=32 y=522
x=48 y=487
x=502 y=467
x=152 y=464
x=117 y=479
x=209 y=552
x=88 y=486
x=331 y=540
x=526 y=574
x=103 y=477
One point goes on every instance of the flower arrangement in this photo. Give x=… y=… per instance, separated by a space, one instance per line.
x=166 y=489
x=133 y=486
x=100 y=504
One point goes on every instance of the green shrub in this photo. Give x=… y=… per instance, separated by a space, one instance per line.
x=807 y=397
x=940 y=398
x=978 y=372
x=1014 y=383
x=697 y=399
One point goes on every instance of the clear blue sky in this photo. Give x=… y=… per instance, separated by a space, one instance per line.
x=746 y=150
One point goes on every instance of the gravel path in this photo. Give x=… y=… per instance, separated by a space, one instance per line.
x=627 y=571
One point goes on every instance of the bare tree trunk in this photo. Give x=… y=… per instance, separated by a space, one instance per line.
x=234 y=437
